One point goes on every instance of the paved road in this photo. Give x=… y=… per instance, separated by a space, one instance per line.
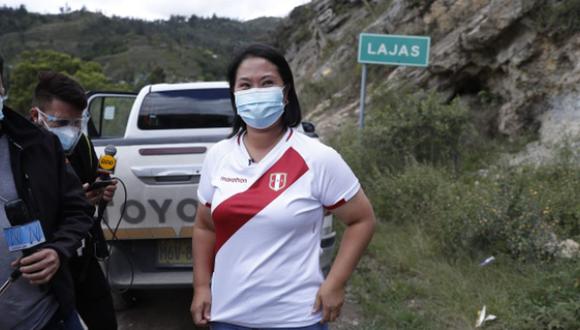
x=158 y=310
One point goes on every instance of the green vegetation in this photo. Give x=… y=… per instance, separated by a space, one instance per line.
x=443 y=197
x=445 y=202
x=408 y=130
x=297 y=29
x=558 y=18
x=404 y=282
x=24 y=77
x=129 y=50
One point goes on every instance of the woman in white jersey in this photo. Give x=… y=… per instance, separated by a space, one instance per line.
x=263 y=194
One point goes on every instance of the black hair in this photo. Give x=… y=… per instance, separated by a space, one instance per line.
x=292 y=115
x=54 y=85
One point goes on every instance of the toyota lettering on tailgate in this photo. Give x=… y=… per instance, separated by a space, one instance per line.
x=136 y=211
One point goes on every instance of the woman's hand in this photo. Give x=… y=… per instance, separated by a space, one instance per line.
x=357 y=214
x=203 y=241
x=329 y=299
x=201 y=306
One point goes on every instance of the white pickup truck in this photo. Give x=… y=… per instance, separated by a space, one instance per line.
x=162 y=135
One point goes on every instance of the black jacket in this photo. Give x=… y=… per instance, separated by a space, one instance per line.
x=52 y=193
x=83 y=160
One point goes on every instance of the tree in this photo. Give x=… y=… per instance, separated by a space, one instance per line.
x=157 y=76
x=24 y=77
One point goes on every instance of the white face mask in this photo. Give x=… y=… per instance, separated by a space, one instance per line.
x=68 y=136
x=260 y=107
x=68 y=131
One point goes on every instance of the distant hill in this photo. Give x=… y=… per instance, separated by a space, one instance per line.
x=183 y=48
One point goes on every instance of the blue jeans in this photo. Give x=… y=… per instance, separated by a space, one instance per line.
x=71 y=322
x=226 y=326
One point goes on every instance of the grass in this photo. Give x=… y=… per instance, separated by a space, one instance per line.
x=403 y=283
x=439 y=218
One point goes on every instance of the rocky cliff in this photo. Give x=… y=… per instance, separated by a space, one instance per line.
x=515 y=62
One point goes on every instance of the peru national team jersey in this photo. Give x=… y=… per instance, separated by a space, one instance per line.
x=268 y=219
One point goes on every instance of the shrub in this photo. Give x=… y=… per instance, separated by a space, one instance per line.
x=402 y=159
x=520 y=211
x=554 y=303
x=404 y=129
x=409 y=196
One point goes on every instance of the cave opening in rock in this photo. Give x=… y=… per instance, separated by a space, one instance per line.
x=469 y=85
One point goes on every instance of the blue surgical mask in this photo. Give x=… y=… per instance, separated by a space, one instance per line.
x=68 y=136
x=260 y=107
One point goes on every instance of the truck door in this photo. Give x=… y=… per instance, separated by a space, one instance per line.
x=109 y=114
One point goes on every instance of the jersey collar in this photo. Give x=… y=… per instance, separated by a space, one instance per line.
x=246 y=155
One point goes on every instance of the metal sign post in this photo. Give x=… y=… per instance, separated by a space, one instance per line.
x=390 y=50
x=363 y=93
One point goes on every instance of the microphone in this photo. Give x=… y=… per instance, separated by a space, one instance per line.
x=250 y=161
x=107 y=164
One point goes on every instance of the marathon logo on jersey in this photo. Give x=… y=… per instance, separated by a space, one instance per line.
x=234 y=180
x=277 y=181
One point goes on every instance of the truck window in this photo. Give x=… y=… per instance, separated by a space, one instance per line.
x=182 y=109
x=109 y=115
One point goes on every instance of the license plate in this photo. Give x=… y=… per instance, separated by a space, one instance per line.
x=174 y=252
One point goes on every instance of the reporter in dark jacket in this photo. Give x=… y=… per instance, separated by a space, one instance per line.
x=58 y=106
x=33 y=168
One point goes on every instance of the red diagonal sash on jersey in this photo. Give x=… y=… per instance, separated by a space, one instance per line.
x=235 y=211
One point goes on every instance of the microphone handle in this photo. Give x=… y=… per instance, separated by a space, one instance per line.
x=101 y=208
x=100 y=243
x=16 y=274
x=102 y=204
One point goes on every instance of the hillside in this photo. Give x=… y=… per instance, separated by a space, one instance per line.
x=515 y=63
x=185 y=48
x=443 y=157
x=472 y=157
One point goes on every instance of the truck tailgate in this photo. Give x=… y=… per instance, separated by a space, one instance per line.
x=161 y=187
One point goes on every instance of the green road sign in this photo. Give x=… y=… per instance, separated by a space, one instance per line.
x=393 y=49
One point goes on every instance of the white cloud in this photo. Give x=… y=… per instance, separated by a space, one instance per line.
x=148 y=9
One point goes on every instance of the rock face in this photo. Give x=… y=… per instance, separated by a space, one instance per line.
x=498 y=55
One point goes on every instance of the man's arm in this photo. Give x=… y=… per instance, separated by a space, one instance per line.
x=74 y=222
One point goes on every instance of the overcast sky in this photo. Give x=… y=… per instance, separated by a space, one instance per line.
x=162 y=9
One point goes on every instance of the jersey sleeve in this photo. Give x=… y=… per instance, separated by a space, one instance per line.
x=205 y=189
x=337 y=184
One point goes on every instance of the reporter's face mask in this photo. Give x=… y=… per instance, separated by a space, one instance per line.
x=68 y=131
x=68 y=136
x=260 y=107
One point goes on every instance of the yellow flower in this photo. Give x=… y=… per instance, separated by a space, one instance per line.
x=546 y=211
